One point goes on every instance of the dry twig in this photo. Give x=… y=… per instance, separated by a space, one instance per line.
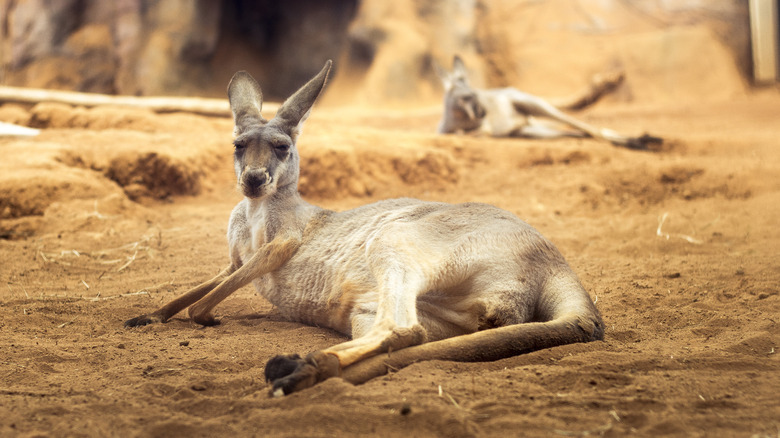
x=667 y=236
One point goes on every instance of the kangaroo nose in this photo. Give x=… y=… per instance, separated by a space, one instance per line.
x=256 y=178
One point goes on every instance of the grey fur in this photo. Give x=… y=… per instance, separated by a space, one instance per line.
x=392 y=274
x=509 y=112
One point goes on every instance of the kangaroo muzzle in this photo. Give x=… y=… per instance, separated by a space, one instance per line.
x=254 y=180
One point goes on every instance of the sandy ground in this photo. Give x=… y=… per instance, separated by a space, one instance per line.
x=679 y=248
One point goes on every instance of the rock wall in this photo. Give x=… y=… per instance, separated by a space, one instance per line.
x=167 y=47
x=670 y=50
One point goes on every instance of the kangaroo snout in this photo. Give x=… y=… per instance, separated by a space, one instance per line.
x=253 y=180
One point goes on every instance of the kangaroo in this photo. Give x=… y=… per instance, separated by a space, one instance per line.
x=509 y=112
x=408 y=280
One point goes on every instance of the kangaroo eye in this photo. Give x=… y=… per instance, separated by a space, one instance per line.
x=239 y=145
x=282 y=147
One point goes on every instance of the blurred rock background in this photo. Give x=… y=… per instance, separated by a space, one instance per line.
x=670 y=50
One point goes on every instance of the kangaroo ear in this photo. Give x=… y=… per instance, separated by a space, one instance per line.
x=295 y=109
x=443 y=75
x=246 y=100
x=459 y=70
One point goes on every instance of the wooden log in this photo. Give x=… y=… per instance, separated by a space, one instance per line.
x=11 y=130
x=160 y=104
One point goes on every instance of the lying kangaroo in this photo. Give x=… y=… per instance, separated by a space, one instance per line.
x=473 y=281
x=508 y=112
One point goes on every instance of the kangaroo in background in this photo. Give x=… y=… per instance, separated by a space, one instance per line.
x=408 y=280
x=509 y=112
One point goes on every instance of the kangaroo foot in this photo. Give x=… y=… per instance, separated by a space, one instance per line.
x=290 y=373
x=644 y=142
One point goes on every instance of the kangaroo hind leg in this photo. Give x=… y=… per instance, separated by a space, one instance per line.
x=534 y=106
x=537 y=129
x=564 y=314
x=387 y=321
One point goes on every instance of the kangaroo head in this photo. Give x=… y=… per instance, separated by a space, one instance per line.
x=266 y=159
x=460 y=100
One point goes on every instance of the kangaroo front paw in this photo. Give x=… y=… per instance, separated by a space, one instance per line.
x=140 y=321
x=644 y=142
x=403 y=337
x=290 y=373
x=207 y=320
x=202 y=318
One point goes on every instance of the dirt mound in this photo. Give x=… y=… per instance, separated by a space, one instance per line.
x=29 y=193
x=333 y=173
x=57 y=115
x=545 y=157
x=650 y=186
x=94 y=153
x=154 y=175
x=60 y=116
